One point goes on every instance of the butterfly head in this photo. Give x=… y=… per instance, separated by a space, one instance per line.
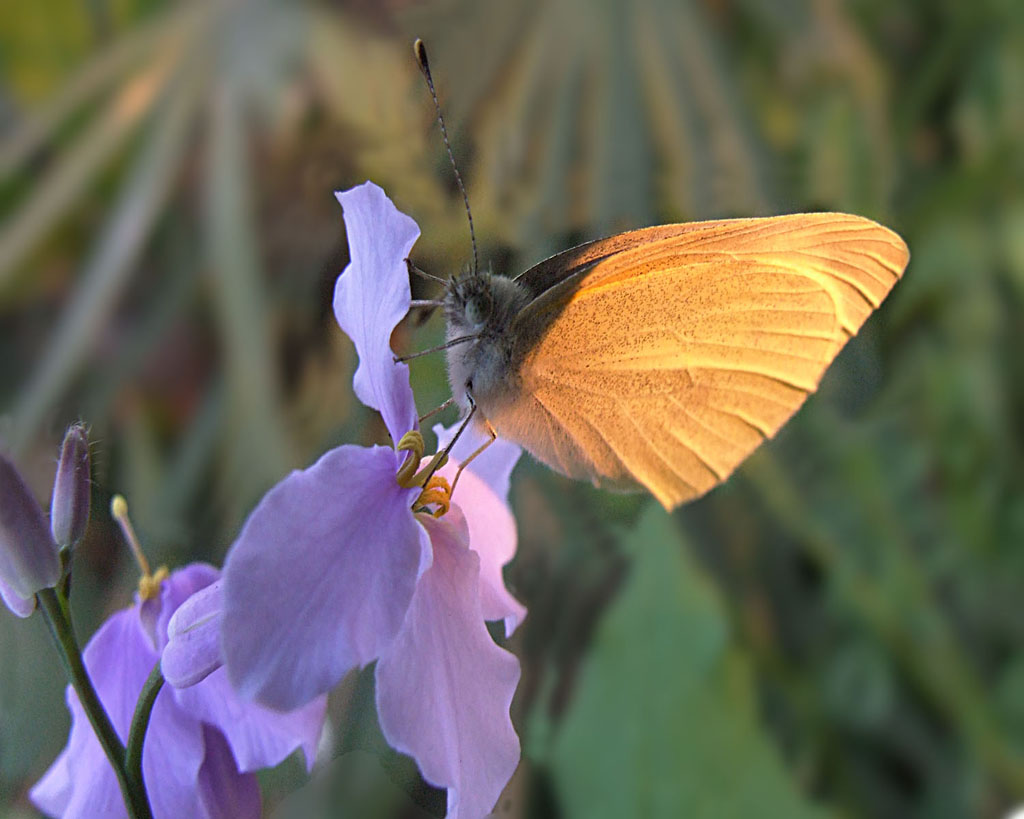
x=469 y=303
x=482 y=304
x=481 y=309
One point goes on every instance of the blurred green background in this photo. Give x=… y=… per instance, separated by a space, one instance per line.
x=837 y=631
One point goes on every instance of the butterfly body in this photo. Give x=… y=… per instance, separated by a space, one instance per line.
x=485 y=306
x=662 y=357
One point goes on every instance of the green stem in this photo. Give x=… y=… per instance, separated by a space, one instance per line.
x=140 y=722
x=55 y=609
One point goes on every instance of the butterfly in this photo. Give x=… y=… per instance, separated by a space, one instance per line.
x=661 y=358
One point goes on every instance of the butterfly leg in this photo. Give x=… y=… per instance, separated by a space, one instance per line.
x=491 y=431
x=398 y=359
x=478 y=451
x=441 y=458
x=437 y=409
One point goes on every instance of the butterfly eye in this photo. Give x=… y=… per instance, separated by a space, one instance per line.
x=478 y=310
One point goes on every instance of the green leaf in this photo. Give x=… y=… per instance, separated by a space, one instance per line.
x=664 y=721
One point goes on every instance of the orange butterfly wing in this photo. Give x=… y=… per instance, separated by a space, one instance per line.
x=662 y=357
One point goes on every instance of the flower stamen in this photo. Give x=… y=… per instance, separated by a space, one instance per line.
x=437 y=492
x=411 y=442
x=407 y=475
x=149 y=582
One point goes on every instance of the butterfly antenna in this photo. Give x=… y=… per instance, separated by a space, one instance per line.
x=421 y=57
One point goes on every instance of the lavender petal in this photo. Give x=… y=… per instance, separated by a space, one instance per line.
x=372 y=295
x=444 y=688
x=320 y=577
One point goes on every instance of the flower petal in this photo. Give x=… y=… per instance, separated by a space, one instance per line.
x=224 y=791
x=481 y=495
x=259 y=737
x=21 y=606
x=172 y=758
x=372 y=295
x=444 y=688
x=492 y=535
x=193 y=650
x=119 y=658
x=81 y=783
x=188 y=764
x=175 y=591
x=320 y=577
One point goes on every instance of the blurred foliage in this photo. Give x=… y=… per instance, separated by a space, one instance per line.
x=842 y=631
x=674 y=711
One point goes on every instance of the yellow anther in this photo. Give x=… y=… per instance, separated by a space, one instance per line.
x=437 y=492
x=149 y=584
x=119 y=508
x=411 y=442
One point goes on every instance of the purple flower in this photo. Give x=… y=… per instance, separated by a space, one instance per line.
x=202 y=743
x=28 y=555
x=334 y=570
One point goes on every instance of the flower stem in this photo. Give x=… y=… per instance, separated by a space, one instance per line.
x=55 y=608
x=140 y=722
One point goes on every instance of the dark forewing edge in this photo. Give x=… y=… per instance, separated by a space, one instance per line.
x=555 y=269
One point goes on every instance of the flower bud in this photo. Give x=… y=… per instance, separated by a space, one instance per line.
x=69 y=508
x=28 y=555
x=21 y=606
